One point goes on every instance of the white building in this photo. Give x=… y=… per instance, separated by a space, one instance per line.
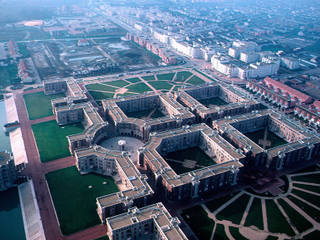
x=249 y=57
x=242 y=46
x=290 y=63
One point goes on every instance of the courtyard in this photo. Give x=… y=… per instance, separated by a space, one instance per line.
x=74 y=197
x=39 y=105
x=266 y=138
x=51 y=139
x=246 y=215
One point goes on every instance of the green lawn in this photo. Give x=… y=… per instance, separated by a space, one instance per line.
x=100 y=87
x=165 y=76
x=220 y=233
x=198 y=220
x=311 y=198
x=296 y=219
x=273 y=138
x=315 y=189
x=276 y=221
x=159 y=85
x=195 y=80
x=182 y=76
x=194 y=153
x=39 y=105
x=149 y=78
x=215 y=101
x=103 y=238
x=118 y=83
x=100 y=95
x=312 y=212
x=216 y=203
x=312 y=236
x=312 y=178
x=8 y=75
x=74 y=202
x=236 y=234
x=133 y=80
x=235 y=210
x=51 y=139
x=139 y=88
x=254 y=216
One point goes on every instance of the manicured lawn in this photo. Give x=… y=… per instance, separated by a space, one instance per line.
x=220 y=233
x=312 y=178
x=118 y=83
x=273 y=138
x=195 y=80
x=103 y=238
x=235 y=210
x=198 y=220
x=182 y=76
x=312 y=212
x=51 y=139
x=159 y=85
x=100 y=87
x=216 y=203
x=139 y=88
x=272 y=238
x=307 y=187
x=74 y=202
x=126 y=94
x=39 y=105
x=312 y=236
x=149 y=78
x=165 y=76
x=133 y=80
x=296 y=219
x=100 y=95
x=215 y=101
x=254 y=216
x=276 y=221
x=236 y=234
x=311 y=198
x=194 y=154
x=8 y=75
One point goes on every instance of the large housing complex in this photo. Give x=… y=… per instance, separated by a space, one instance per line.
x=194 y=119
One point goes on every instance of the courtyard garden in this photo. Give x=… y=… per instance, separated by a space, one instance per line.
x=74 y=197
x=51 y=139
x=39 y=105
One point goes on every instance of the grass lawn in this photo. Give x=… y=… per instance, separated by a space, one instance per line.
x=254 y=216
x=126 y=94
x=272 y=238
x=182 y=76
x=236 y=234
x=276 y=221
x=307 y=187
x=198 y=220
x=74 y=202
x=118 y=83
x=133 y=80
x=312 y=212
x=8 y=75
x=145 y=114
x=235 y=210
x=165 y=76
x=159 y=85
x=312 y=178
x=195 y=80
x=139 y=88
x=103 y=238
x=311 y=198
x=215 y=101
x=51 y=139
x=149 y=78
x=39 y=105
x=312 y=236
x=100 y=87
x=220 y=233
x=194 y=153
x=296 y=219
x=100 y=95
x=205 y=75
x=216 y=203
x=273 y=138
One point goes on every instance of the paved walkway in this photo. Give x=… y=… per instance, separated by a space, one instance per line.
x=37 y=170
